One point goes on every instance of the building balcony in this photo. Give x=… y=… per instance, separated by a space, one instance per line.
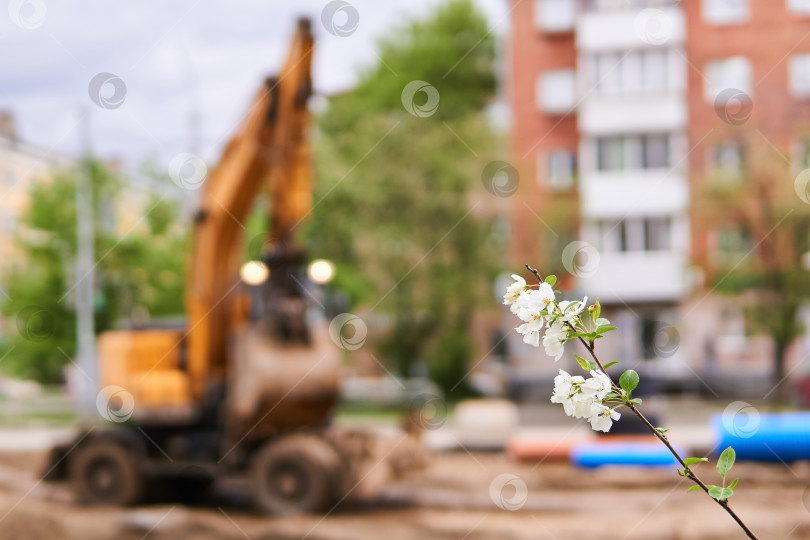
x=643 y=276
x=555 y=16
x=624 y=29
x=654 y=192
x=639 y=113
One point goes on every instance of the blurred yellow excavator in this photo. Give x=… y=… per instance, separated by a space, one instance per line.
x=246 y=389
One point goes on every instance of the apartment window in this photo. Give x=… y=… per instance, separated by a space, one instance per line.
x=633 y=72
x=725 y=161
x=613 y=236
x=556 y=91
x=554 y=15
x=800 y=7
x=733 y=242
x=658 y=338
x=608 y=73
x=799 y=75
x=655 y=151
x=657 y=234
x=801 y=155
x=633 y=152
x=614 y=5
x=655 y=65
x=609 y=154
x=644 y=234
x=725 y=11
x=560 y=168
x=734 y=72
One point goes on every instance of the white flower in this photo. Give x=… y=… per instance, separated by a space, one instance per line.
x=529 y=308
x=571 y=309
x=582 y=404
x=531 y=304
x=531 y=331
x=566 y=388
x=597 y=386
x=602 y=417
x=553 y=340
x=513 y=291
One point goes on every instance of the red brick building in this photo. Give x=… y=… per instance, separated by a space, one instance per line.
x=626 y=116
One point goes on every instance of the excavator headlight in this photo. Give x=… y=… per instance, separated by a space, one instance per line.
x=321 y=271
x=254 y=272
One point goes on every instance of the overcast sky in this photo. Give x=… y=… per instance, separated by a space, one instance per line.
x=173 y=57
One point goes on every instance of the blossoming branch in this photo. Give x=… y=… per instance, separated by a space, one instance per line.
x=597 y=397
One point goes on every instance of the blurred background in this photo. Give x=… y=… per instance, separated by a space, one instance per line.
x=653 y=154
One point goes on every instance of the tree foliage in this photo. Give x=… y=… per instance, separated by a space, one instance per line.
x=400 y=206
x=138 y=270
x=768 y=269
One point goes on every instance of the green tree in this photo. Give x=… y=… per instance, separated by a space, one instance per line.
x=138 y=272
x=767 y=263
x=400 y=205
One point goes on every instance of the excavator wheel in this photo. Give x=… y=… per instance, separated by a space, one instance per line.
x=295 y=474
x=103 y=472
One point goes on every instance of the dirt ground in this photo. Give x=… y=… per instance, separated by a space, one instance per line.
x=449 y=499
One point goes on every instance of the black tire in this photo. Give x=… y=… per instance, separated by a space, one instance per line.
x=103 y=472
x=295 y=474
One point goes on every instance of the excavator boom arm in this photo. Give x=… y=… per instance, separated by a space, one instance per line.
x=269 y=147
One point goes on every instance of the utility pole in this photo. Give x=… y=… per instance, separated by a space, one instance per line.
x=85 y=286
x=191 y=201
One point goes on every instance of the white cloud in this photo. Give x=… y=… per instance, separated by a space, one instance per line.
x=174 y=58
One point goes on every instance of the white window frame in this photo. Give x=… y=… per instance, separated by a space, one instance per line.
x=632 y=232
x=555 y=16
x=547 y=165
x=799 y=75
x=633 y=151
x=648 y=223
x=716 y=169
x=556 y=91
x=718 y=12
x=799 y=7
x=611 y=72
x=722 y=73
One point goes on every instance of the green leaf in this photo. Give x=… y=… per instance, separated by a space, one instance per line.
x=584 y=364
x=720 y=493
x=637 y=401
x=662 y=430
x=693 y=488
x=603 y=329
x=691 y=460
x=597 y=311
x=726 y=461
x=551 y=280
x=629 y=380
x=610 y=364
x=734 y=483
x=601 y=322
